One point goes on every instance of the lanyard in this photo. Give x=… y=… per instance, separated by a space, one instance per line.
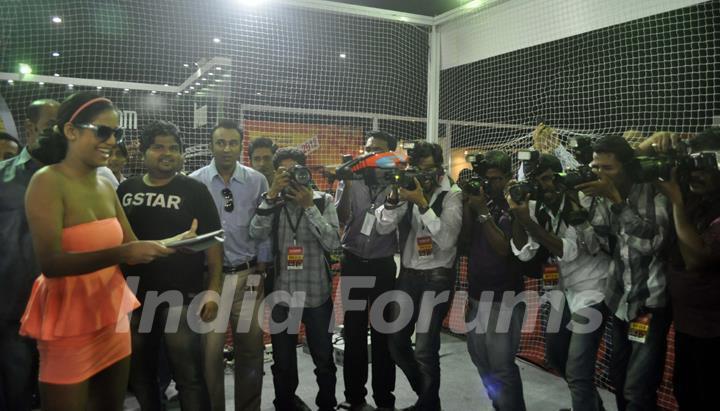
x=544 y=208
x=373 y=198
x=295 y=227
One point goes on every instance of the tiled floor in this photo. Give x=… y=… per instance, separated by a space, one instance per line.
x=461 y=389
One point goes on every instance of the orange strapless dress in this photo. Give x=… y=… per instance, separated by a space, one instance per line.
x=80 y=322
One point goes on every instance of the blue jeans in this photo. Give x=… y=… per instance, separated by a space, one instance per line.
x=18 y=368
x=183 y=351
x=421 y=366
x=493 y=350
x=317 y=322
x=355 y=370
x=573 y=354
x=636 y=369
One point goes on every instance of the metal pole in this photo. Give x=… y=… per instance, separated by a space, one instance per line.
x=433 y=95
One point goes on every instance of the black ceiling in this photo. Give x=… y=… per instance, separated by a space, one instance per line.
x=424 y=7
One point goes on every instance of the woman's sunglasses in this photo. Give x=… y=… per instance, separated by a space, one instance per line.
x=103 y=133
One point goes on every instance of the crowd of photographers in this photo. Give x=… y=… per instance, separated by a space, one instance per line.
x=615 y=234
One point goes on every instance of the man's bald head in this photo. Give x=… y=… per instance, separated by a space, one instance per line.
x=40 y=114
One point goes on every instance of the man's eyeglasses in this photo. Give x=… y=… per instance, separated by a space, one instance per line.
x=229 y=203
x=103 y=133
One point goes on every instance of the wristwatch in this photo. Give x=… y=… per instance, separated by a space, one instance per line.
x=483 y=218
x=618 y=208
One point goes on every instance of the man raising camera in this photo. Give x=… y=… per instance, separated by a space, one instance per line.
x=694 y=280
x=428 y=221
x=494 y=326
x=304 y=226
x=634 y=216
x=556 y=220
x=367 y=255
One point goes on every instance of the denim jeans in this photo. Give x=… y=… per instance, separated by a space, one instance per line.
x=574 y=354
x=18 y=368
x=248 y=349
x=183 y=353
x=355 y=369
x=696 y=377
x=493 y=350
x=317 y=322
x=422 y=365
x=636 y=369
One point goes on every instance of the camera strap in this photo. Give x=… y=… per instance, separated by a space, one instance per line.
x=294 y=228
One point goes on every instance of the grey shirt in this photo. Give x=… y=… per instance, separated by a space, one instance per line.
x=18 y=265
x=363 y=202
x=315 y=233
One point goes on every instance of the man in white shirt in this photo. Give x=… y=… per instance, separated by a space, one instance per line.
x=555 y=220
x=429 y=218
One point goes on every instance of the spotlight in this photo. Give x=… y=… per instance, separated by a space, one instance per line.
x=25 y=69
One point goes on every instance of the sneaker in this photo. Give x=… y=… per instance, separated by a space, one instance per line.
x=300 y=405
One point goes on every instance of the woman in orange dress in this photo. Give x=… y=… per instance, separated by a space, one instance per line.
x=78 y=308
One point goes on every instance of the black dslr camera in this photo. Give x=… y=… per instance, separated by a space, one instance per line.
x=528 y=162
x=473 y=181
x=300 y=175
x=659 y=167
x=581 y=148
x=572 y=178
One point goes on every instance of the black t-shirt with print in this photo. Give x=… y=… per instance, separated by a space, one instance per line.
x=156 y=213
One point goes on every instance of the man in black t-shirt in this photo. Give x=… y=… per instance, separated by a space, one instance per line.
x=158 y=204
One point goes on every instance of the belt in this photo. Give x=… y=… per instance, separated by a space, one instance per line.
x=240 y=267
x=439 y=270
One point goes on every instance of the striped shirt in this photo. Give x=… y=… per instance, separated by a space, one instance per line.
x=640 y=227
x=316 y=233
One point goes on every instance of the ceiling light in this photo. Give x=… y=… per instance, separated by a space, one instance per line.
x=55 y=54
x=203 y=79
x=70 y=86
x=343 y=55
x=10 y=82
x=211 y=74
x=216 y=40
x=192 y=88
x=197 y=83
x=226 y=75
x=179 y=94
x=25 y=69
x=41 y=83
x=258 y=94
x=186 y=92
x=56 y=75
x=153 y=92
x=218 y=68
x=186 y=65
x=126 y=90
x=166 y=85
x=56 y=20
x=99 y=87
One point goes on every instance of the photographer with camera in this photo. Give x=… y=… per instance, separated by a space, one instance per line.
x=304 y=226
x=487 y=229
x=634 y=218
x=693 y=280
x=555 y=219
x=428 y=217
x=367 y=254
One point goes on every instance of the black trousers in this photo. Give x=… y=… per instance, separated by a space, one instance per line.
x=355 y=369
x=696 y=375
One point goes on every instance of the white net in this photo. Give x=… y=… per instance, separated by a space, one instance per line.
x=644 y=75
x=292 y=74
x=648 y=74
